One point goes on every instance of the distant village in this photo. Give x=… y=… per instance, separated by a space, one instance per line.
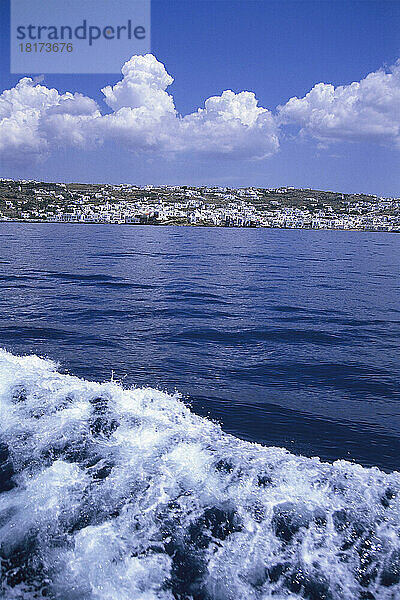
x=284 y=207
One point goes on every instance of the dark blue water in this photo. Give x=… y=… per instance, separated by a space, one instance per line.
x=285 y=337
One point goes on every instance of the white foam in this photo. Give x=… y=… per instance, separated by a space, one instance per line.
x=125 y=494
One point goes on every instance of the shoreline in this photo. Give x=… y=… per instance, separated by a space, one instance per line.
x=196 y=226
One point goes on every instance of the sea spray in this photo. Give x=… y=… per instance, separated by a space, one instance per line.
x=123 y=494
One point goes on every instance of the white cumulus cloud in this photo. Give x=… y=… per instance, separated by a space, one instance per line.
x=34 y=119
x=144 y=83
x=231 y=124
x=364 y=110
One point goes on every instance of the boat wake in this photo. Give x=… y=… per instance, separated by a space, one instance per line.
x=124 y=494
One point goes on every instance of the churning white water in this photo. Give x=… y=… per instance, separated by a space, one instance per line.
x=115 y=494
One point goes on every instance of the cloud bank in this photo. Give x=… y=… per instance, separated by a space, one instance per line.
x=36 y=121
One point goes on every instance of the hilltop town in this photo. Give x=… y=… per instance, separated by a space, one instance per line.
x=284 y=207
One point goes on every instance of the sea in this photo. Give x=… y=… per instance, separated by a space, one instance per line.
x=192 y=413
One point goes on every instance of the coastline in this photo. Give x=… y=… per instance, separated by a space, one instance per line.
x=198 y=225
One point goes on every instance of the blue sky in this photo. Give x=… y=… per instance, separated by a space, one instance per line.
x=278 y=50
